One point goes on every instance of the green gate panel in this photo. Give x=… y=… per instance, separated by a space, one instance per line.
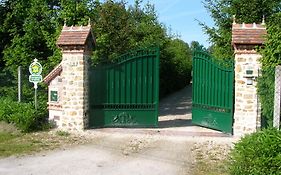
x=212 y=119
x=212 y=92
x=125 y=93
x=124 y=118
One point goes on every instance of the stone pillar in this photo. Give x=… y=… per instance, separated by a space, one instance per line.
x=247 y=112
x=77 y=45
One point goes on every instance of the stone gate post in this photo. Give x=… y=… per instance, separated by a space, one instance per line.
x=77 y=44
x=245 y=39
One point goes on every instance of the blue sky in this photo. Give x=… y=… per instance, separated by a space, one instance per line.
x=181 y=15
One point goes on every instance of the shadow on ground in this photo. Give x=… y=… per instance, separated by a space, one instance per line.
x=179 y=103
x=175 y=123
x=175 y=109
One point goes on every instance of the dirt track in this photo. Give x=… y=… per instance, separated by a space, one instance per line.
x=165 y=151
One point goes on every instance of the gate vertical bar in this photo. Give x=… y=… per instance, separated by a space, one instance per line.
x=157 y=62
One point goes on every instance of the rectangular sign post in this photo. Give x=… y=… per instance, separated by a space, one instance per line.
x=35 y=96
x=35 y=69
x=19 y=84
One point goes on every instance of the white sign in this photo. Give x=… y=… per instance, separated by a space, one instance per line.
x=35 y=69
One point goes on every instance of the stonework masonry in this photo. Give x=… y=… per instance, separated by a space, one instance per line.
x=247 y=117
x=247 y=112
x=70 y=80
x=75 y=91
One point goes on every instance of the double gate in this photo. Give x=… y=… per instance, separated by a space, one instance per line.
x=124 y=93
x=212 y=92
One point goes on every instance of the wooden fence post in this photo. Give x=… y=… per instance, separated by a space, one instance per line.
x=277 y=97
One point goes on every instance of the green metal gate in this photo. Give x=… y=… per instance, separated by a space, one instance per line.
x=125 y=93
x=212 y=92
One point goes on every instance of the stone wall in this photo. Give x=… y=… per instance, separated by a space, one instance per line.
x=247 y=113
x=75 y=91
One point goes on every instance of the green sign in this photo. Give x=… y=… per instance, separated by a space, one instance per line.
x=35 y=78
x=54 y=96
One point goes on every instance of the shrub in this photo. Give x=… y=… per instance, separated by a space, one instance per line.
x=271 y=55
x=175 y=66
x=23 y=115
x=257 y=154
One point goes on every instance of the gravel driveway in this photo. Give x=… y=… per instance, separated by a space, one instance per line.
x=165 y=151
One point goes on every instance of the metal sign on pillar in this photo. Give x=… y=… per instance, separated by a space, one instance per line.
x=35 y=69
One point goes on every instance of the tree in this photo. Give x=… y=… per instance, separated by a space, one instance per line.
x=148 y=31
x=222 y=12
x=271 y=57
x=112 y=30
x=194 y=45
x=28 y=31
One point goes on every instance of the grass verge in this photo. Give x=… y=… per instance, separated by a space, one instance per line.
x=14 y=143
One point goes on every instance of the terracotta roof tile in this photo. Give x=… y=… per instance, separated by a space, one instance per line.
x=55 y=72
x=248 y=34
x=74 y=35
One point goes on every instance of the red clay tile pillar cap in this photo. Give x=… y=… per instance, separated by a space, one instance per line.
x=76 y=36
x=248 y=34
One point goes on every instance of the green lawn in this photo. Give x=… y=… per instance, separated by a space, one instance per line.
x=16 y=144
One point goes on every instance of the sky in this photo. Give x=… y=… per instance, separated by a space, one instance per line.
x=181 y=16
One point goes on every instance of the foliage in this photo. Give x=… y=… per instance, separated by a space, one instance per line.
x=23 y=115
x=30 y=32
x=222 y=12
x=195 y=45
x=258 y=154
x=148 y=31
x=176 y=65
x=8 y=87
x=271 y=58
x=112 y=30
x=119 y=29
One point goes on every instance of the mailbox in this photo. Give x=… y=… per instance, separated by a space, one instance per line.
x=249 y=73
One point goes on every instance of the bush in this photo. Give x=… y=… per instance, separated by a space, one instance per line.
x=257 y=154
x=271 y=55
x=175 y=66
x=266 y=88
x=23 y=115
